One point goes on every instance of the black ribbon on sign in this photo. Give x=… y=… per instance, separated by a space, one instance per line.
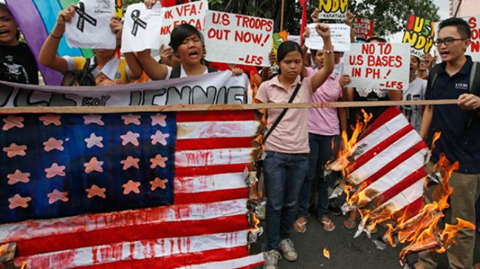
x=83 y=16
x=137 y=22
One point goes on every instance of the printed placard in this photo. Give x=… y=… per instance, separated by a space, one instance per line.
x=332 y=9
x=419 y=34
x=191 y=13
x=379 y=66
x=91 y=20
x=340 y=36
x=474 y=49
x=363 y=28
x=238 y=39
x=140 y=30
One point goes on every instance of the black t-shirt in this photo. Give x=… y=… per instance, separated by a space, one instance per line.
x=364 y=94
x=17 y=64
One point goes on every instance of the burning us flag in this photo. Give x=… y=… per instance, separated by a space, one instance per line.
x=386 y=167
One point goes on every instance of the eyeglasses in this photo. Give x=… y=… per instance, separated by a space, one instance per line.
x=447 y=41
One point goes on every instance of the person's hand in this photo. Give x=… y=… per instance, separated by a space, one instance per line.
x=272 y=58
x=314 y=15
x=116 y=26
x=344 y=80
x=323 y=30
x=468 y=101
x=429 y=60
x=306 y=32
x=149 y=3
x=66 y=15
x=237 y=71
x=350 y=18
x=165 y=54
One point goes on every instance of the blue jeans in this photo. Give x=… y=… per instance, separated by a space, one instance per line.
x=320 y=152
x=284 y=175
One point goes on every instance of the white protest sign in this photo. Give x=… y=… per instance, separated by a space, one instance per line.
x=379 y=66
x=340 y=36
x=332 y=9
x=90 y=26
x=141 y=28
x=238 y=39
x=191 y=13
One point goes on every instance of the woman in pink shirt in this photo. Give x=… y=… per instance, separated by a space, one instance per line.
x=287 y=147
x=324 y=137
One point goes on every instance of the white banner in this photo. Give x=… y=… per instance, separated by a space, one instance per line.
x=191 y=13
x=379 y=66
x=141 y=28
x=90 y=26
x=237 y=39
x=340 y=35
x=213 y=88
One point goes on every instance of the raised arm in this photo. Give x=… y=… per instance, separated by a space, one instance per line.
x=328 y=61
x=48 y=54
x=155 y=70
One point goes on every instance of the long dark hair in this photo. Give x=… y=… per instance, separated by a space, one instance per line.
x=5 y=8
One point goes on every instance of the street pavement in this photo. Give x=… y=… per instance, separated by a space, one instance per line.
x=345 y=251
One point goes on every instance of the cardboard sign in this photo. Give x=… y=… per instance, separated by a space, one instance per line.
x=191 y=13
x=91 y=21
x=340 y=35
x=379 y=66
x=140 y=30
x=332 y=9
x=363 y=28
x=238 y=39
x=474 y=49
x=419 y=35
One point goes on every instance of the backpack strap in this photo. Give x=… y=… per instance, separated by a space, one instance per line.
x=432 y=77
x=475 y=79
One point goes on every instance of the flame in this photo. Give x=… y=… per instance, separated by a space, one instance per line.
x=326 y=253
x=436 y=136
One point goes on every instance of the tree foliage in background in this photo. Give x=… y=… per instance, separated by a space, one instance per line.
x=390 y=16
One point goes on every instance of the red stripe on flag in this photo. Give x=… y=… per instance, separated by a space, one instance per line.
x=243 y=115
x=404 y=184
x=213 y=143
x=395 y=162
x=179 y=260
x=389 y=114
x=209 y=170
x=131 y=233
x=367 y=156
x=211 y=196
x=412 y=209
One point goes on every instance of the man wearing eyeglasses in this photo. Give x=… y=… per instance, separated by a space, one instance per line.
x=460 y=128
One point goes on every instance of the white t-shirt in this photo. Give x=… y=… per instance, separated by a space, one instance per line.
x=415 y=91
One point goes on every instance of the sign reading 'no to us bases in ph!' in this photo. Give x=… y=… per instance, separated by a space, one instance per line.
x=378 y=66
x=238 y=39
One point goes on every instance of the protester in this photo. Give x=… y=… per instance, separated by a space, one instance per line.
x=416 y=91
x=287 y=148
x=460 y=128
x=109 y=69
x=324 y=138
x=17 y=61
x=364 y=94
x=426 y=63
x=188 y=45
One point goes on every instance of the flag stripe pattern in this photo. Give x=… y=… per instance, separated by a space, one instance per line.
x=388 y=163
x=170 y=190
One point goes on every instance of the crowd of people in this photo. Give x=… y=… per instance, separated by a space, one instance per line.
x=301 y=141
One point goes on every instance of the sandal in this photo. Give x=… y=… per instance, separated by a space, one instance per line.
x=327 y=224
x=351 y=221
x=300 y=225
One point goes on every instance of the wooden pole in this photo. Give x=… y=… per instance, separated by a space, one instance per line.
x=458 y=8
x=208 y=107
x=281 y=15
